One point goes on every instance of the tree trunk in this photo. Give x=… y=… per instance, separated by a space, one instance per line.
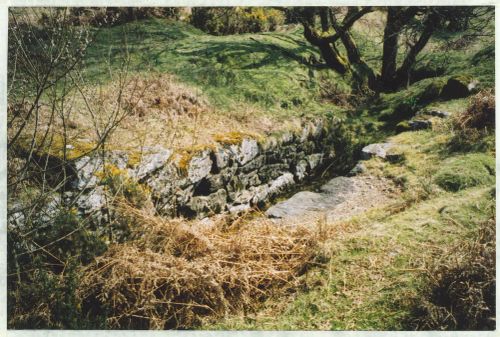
x=328 y=52
x=362 y=72
x=323 y=15
x=390 y=49
x=403 y=73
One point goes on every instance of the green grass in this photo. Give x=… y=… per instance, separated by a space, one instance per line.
x=266 y=70
x=465 y=171
x=377 y=261
x=375 y=265
x=374 y=274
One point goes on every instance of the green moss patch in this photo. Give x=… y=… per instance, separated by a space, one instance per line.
x=466 y=171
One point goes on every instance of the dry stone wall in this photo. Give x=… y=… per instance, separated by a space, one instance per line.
x=223 y=178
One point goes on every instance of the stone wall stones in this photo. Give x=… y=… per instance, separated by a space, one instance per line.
x=226 y=177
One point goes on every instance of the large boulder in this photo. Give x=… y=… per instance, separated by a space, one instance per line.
x=298 y=205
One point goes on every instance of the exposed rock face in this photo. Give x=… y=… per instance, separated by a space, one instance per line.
x=301 y=170
x=86 y=169
x=93 y=204
x=199 y=166
x=315 y=160
x=245 y=152
x=210 y=204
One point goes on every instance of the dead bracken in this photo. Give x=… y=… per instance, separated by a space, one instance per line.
x=174 y=273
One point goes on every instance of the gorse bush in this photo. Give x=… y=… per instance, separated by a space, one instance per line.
x=119 y=184
x=236 y=20
x=43 y=273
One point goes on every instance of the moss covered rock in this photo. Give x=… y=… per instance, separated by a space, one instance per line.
x=431 y=91
x=457 y=87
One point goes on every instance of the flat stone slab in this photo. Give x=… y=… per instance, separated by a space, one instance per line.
x=375 y=150
x=339 y=198
x=299 y=204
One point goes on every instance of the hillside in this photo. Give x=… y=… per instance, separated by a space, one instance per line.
x=176 y=179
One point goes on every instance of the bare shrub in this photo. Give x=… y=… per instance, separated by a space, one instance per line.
x=175 y=273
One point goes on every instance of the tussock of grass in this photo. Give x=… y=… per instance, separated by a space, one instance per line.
x=173 y=274
x=466 y=171
x=460 y=294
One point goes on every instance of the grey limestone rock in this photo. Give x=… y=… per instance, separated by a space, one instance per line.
x=246 y=151
x=314 y=160
x=199 y=166
x=301 y=170
x=420 y=124
x=238 y=209
x=213 y=203
x=222 y=157
x=357 y=169
x=254 y=164
x=375 y=150
x=86 y=168
x=152 y=161
x=298 y=204
x=280 y=184
x=260 y=194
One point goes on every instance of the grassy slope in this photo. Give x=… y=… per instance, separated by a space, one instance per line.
x=377 y=261
x=264 y=74
x=264 y=70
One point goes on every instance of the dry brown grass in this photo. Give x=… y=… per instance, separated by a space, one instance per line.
x=174 y=273
x=162 y=111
